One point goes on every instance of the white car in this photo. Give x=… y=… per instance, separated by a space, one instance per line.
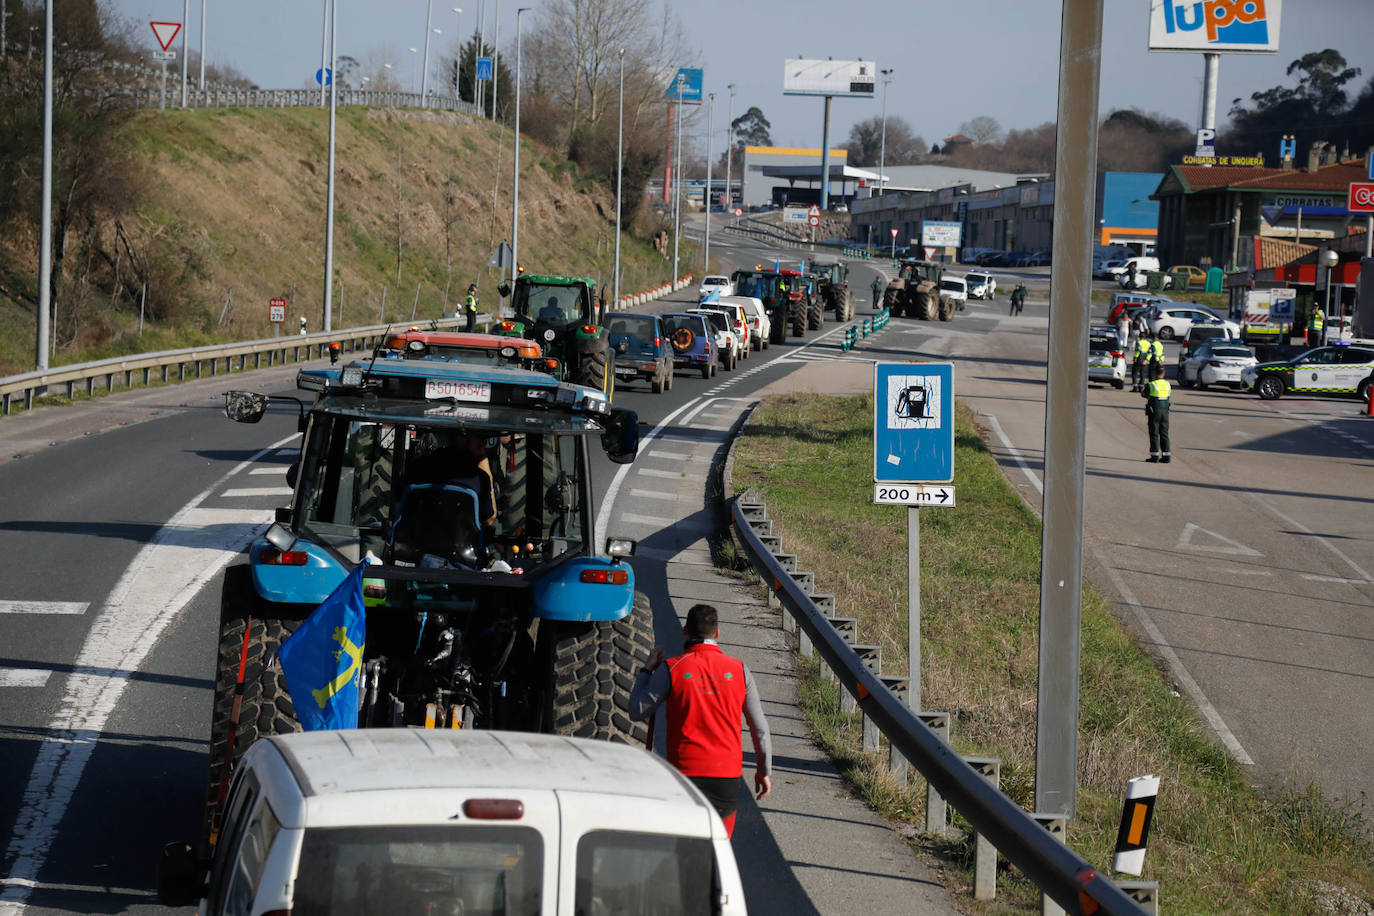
x=714 y=283
x=1220 y=363
x=954 y=288
x=1144 y=265
x=728 y=344
x=981 y=284
x=406 y=820
x=739 y=321
x=1172 y=320
x=1109 y=270
x=759 y=325
x=1106 y=357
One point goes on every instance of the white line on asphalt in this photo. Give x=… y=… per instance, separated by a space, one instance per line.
x=645 y=519
x=1313 y=577
x=1176 y=667
x=603 y=517
x=272 y=469
x=650 y=494
x=44 y=607
x=655 y=472
x=167 y=573
x=665 y=453
x=23 y=677
x=258 y=491
x=1363 y=576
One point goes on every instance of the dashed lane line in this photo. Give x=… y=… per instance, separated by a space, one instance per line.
x=257 y=491
x=24 y=677
x=74 y=608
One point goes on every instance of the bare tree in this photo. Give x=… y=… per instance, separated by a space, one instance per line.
x=865 y=143
x=981 y=130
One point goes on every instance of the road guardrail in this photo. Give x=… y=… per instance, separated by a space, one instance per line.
x=1027 y=840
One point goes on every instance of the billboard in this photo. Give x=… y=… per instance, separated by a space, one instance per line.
x=691 y=86
x=853 y=78
x=940 y=235
x=1215 y=25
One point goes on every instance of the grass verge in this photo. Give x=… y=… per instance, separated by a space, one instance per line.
x=1218 y=845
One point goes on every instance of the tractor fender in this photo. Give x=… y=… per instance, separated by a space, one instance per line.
x=308 y=584
x=563 y=595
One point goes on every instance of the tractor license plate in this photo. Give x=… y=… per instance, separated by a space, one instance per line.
x=458 y=391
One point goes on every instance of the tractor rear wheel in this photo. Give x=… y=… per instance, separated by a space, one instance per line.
x=925 y=306
x=592 y=667
x=815 y=314
x=592 y=371
x=797 y=314
x=777 y=330
x=947 y=306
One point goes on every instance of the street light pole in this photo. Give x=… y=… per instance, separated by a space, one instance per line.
x=45 y=231
x=729 y=150
x=326 y=324
x=706 y=259
x=324 y=49
x=424 y=69
x=515 y=192
x=185 y=15
x=619 y=176
x=458 y=60
x=202 y=45
x=882 y=147
x=416 y=52
x=677 y=183
x=478 y=90
x=495 y=60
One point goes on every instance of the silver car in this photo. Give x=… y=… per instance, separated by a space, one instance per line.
x=1216 y=364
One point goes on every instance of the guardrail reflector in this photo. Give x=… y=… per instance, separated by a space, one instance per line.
x=1135 y=824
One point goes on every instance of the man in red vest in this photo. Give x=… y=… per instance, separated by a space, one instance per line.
x=706 y=692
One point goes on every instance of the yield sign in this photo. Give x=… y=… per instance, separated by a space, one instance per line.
x=165 y=32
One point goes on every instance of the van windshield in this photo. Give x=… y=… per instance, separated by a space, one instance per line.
x=476 y=871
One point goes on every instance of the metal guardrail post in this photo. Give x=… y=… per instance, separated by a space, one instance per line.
x=984 y=853
x=937 y=812
x=1057 y=825
x=1145 y=893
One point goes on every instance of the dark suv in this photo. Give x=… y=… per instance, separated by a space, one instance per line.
x=647 y=353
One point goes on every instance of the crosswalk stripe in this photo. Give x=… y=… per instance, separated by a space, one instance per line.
x=276 y=470
x=23 y=677
x=258 y=491
x=655 y=472
x=650 y=494
x=44 y=607
x=644 y=519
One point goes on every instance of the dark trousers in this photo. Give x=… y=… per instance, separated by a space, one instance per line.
x=1157 y=419
x=472 y=320
x=1138 y=374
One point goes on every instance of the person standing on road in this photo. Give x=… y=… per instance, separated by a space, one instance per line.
x=877 y=288
x=1156 y=395
x=1123 y=331
x=1314 y=326
x=705 y=692
x=1018 y=299
x=1142 y=354
x=470 y=306
x=1156 y=355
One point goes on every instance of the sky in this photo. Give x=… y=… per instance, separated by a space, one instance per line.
x=953 y=59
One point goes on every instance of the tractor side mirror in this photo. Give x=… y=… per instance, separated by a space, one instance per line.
x=621 y=436
x=180 y=875
x=503 y=289
x=622 y=346
x=244 y=406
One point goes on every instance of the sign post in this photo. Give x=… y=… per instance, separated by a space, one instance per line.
x=165 y=32
x=894 y=244
x=913 y=445
x=276 y=313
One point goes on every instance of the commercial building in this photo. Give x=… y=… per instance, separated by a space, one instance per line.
x=772 y=175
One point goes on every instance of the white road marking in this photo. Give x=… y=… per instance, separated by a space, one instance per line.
x=665 y=453
x=1228 y=546
x=167 y=573
x=603 y=517
x=650 y=494
x=258 y=491
x=645 y=519
x=75 y=608
x=655 y=472
x=1362 y=575
x=1176 y=667
x=268 y=470
x=23 y=677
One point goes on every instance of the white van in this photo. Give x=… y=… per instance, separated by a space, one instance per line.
x=1143 y=264
x=403 y=820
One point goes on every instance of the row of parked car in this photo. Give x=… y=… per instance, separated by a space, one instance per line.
x=992 y=258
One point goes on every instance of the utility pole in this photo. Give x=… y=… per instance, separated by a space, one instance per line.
x=458 y=61
x=45 y=232
x=329 y=196
x=324 y=49
x=202 y=45
x=677 y=183
x=730 y=150
x=495 y=62
x=619 y=176
x=479 y=90
x=185 y=15
x=706 y=259
x=515 y=191
x=424 y=71
x=882 y=146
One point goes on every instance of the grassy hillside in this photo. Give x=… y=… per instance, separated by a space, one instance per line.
x=234 y=199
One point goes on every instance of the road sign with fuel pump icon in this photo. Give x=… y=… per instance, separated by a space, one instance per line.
x=913 y=422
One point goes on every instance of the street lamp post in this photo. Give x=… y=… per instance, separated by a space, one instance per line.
x=202 y=45
x=424 y=68
x=495 y=59
x=416 y=52
x=1328 y=259
x=882 y=146
x=729 y=150
x=515 y=189
x=45 y=231
x=677 y=183
x=185 y=15
x=324 y=49
x=458 y=61
x=478 y=90
x=619 y=176
x=326 y=323
x=706 y=198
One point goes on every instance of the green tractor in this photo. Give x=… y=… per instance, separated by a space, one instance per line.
x=832 y=282
x=561 y=314
x=915 y=292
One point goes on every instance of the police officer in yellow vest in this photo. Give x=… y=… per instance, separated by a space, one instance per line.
x=1142 y=354
x=1156 y=356
x=1156 y=395
x=470 y=306
x=1314 y=326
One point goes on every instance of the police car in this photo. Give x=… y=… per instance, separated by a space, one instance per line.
x=1337 y=369
x=404 y=821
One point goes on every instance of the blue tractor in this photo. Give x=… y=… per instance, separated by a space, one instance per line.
x=488 y=605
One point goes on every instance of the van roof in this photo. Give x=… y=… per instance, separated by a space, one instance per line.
x=337 y=762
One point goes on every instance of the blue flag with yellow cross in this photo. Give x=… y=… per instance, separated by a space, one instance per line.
x=323 y=659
